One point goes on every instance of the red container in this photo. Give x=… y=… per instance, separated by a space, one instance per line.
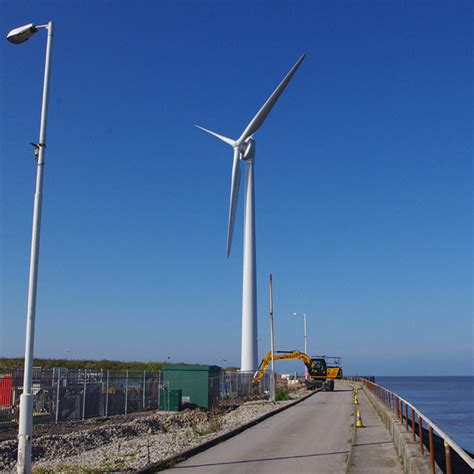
x=6 y=390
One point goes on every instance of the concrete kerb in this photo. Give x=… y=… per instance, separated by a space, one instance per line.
x=407 y=449
x=354 y=429
x=180 y=457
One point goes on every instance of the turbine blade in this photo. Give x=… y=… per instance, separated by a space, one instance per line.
x=221 y=137
x=261 y=115
x=234 y=197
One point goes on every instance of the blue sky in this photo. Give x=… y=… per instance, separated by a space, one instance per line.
x=363 y=180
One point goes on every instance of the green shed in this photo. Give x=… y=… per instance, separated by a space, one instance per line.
x=199 y=383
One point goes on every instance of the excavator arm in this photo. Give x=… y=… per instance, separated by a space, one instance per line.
x=282 y=356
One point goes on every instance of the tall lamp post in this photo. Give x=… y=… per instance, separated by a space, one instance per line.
x=25 y=428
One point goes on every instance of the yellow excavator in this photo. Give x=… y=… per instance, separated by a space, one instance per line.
x=322 y=370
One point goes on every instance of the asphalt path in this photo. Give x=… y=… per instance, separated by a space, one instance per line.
x=311 y=437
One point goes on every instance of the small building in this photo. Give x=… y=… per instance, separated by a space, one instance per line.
x=199 y=383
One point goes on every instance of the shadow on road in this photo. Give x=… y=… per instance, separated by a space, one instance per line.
x=178 y=466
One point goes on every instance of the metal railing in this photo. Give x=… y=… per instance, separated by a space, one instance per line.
x=407 y=414
x=358 y=378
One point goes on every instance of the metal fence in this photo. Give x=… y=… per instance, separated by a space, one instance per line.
x=77 y=394
x=235 y=384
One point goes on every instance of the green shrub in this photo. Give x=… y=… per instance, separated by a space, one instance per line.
x=282 y=394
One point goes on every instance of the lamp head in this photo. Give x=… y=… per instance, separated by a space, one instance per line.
x=21 y=34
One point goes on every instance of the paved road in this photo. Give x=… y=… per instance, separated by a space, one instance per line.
x=311 y=437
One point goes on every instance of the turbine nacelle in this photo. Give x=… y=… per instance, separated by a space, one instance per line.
x=247 y=151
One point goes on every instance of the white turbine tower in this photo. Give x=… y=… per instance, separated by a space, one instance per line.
x=244 y=150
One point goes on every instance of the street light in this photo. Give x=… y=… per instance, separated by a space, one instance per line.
x=25 y=427
x=305 y=338
x=21 y=34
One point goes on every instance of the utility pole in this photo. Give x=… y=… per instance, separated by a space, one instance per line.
x=272 y=343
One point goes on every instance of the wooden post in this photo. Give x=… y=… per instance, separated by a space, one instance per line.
x=432 y=463
x=406 y=417
x=420 y=434
x=447 y=449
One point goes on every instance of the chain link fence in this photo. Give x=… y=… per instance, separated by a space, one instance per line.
x=235 y=385
x=77 y=394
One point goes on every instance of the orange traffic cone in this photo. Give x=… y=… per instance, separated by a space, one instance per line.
x=359 y=420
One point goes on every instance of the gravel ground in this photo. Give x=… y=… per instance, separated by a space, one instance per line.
x=124 y=444
x=65 y=427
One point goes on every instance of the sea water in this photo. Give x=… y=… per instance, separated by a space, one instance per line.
x=447 y=401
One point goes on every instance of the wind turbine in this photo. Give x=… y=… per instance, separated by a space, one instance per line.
x=244 y=150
